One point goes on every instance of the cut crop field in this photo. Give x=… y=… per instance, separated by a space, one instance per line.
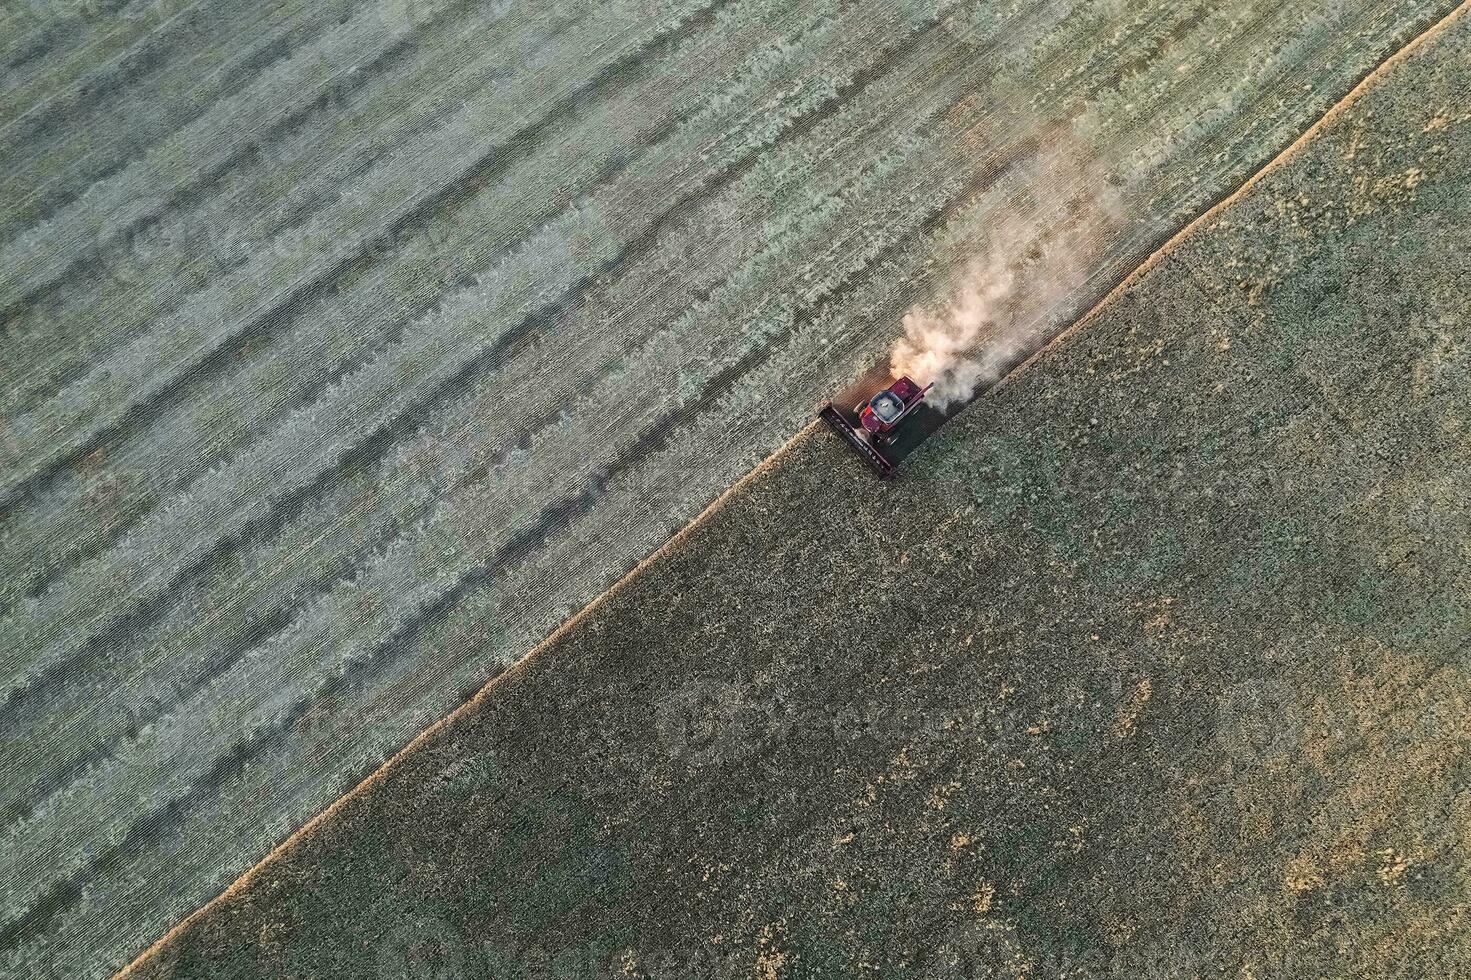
x=1168 y=678
x=349 y=348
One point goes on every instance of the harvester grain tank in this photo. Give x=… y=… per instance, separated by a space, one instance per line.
x=877 y=422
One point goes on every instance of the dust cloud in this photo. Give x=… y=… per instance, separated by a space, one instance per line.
x=1007 y=298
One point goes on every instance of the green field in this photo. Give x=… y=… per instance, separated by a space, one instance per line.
x=347 y=349
x=1154 y=665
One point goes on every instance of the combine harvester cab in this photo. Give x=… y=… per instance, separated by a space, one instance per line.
x=884 y=425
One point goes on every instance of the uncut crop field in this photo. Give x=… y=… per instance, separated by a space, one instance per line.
x=348 y=348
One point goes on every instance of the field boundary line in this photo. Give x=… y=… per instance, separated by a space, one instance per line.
x=512 y=671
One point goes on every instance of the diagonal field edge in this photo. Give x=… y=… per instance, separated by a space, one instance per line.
x=814 y=429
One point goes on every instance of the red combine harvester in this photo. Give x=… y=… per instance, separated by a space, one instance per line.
x=875 y=422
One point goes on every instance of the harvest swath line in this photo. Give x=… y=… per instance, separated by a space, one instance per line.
x=88 y=90
x=200 y=184
x=330 y=378
x=486 y=168
x=97 y=87
x=73 y=88
x=1155 y=50
x=387 y=136
x=514 y=56
x=38 y=48
x=187 y=192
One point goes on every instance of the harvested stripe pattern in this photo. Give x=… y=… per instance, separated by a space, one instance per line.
x=349 y=347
